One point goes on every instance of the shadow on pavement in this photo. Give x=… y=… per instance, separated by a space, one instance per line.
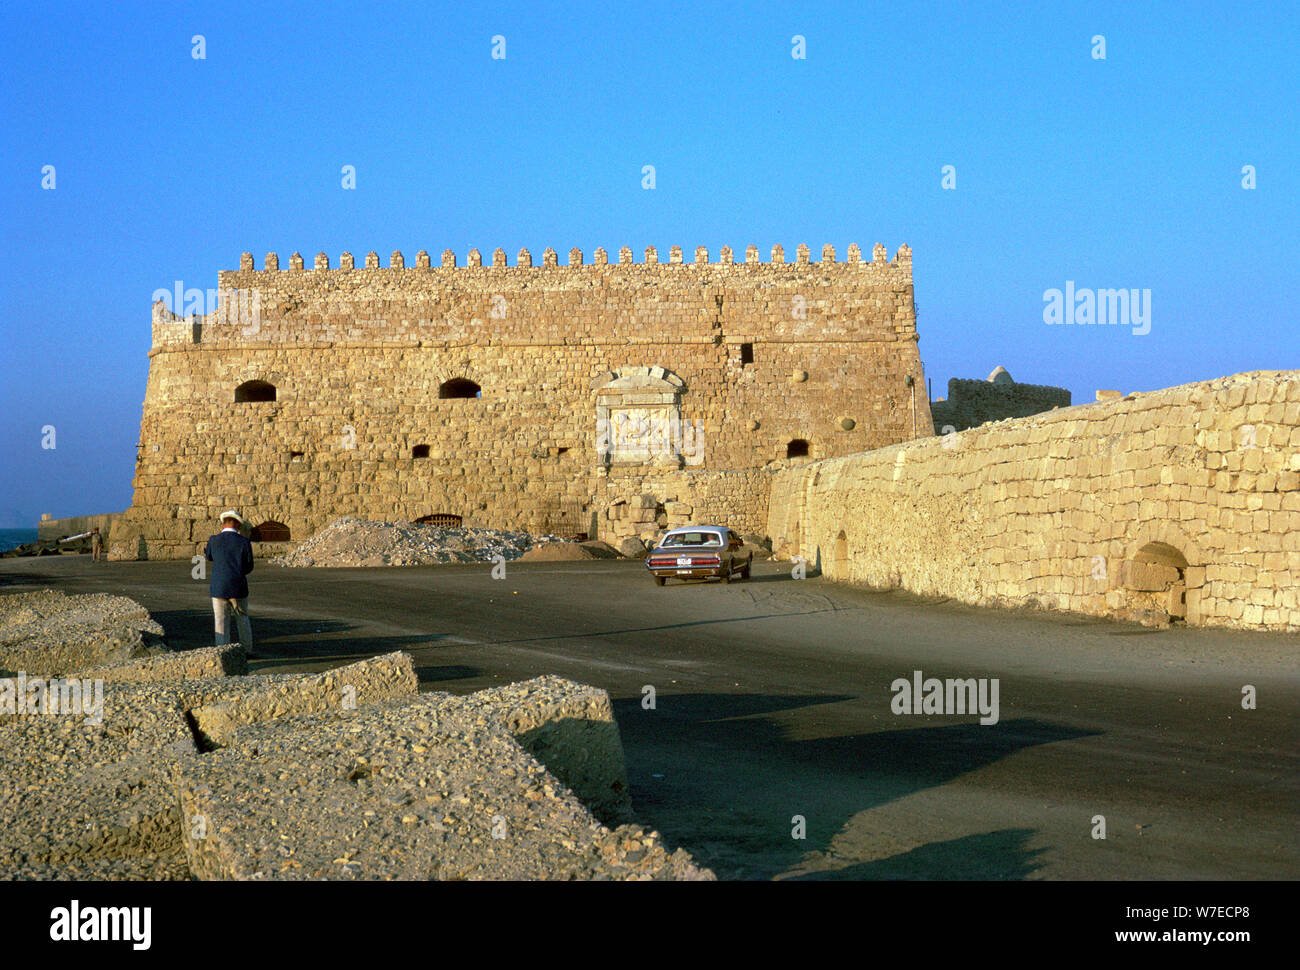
x=716 y=776
x=433 y=675
x=290 y=639
x=1003 y=855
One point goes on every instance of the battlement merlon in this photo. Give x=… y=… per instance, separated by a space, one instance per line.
x=428 y=304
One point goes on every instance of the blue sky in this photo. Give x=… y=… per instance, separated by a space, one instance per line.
x=1122 y=172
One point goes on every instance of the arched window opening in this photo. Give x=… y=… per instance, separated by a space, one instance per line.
x=253 y=391
x=270 y=531
x=459 y=387
x=798 y=448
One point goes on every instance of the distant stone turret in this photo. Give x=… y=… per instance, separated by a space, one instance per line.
x=971 y=403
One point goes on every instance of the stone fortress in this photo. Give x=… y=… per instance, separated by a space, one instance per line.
x=604 y=398
x=611 y=400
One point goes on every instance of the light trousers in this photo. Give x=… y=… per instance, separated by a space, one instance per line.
x=221 y=613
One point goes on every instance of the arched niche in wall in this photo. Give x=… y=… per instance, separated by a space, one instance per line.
x=639 y=419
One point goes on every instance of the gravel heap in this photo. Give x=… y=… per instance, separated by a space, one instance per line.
x=359 y=542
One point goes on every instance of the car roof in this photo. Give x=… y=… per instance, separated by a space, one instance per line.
x=697 y=528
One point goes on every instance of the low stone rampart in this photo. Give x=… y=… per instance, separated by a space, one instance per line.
x=1178 y=504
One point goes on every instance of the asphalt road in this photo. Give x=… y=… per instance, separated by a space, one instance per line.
x=772 y=700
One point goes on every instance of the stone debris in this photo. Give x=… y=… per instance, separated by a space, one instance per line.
x=48 y=633
x=49 y=547
x=600 y=550
x=558 y=552
x=190 y=769
x=634 y=548
x=359 y=542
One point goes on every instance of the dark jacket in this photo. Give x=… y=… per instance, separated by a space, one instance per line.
x=231 y=556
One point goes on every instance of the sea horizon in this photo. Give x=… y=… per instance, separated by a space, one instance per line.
x=12 y=538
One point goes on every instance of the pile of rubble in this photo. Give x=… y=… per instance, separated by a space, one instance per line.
x=360 y=542
x=567 y=551
x=187 y=767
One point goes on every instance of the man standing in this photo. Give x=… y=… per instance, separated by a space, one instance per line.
x=96 y=545
x=231 y=555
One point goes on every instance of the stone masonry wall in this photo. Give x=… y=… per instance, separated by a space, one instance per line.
x=970 y=403
x=75 y=525
x=1183 y=502
x=727 y=362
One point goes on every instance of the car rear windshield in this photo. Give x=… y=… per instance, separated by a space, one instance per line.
x=693 y=539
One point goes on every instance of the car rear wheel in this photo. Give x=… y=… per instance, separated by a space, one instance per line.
x=660 y=580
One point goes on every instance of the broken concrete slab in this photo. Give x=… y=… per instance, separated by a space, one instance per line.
x=222 y=661
x=426 y=788
x=218 y=707
x=77 y=790
x=569 y=728
x=48 y=633
x=178 y=764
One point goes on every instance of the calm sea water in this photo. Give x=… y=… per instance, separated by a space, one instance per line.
x=9 y=538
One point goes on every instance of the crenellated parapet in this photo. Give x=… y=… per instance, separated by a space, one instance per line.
x=725 y=298
x=576 y=259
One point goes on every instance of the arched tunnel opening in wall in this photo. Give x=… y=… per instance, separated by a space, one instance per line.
x=1156 y=580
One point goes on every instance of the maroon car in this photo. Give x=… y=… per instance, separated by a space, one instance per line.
x=699 y=552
